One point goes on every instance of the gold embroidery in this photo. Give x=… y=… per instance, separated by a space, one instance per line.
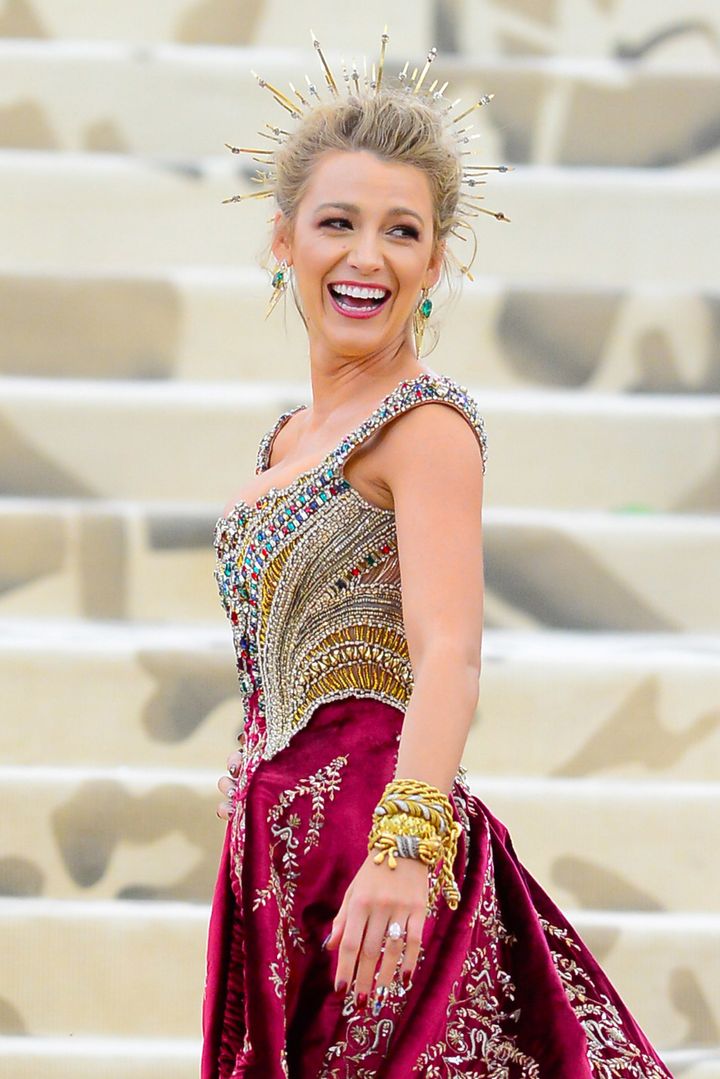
x=309 y=576
x=282 y=885
x=367 y=1038
x=610 y=1052
x=475 y=1013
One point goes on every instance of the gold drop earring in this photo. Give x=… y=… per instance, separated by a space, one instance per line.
x=420 y=316
x=279 y=283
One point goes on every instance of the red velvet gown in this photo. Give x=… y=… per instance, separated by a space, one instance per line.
x=504 y=987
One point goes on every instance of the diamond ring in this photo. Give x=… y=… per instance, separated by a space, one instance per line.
x=395 y=931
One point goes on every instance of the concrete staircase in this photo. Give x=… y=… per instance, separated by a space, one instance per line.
x=137 y=377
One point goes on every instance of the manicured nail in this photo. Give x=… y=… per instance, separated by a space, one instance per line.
x=342 y=989
x=362 y=1000
x=406 y=976
x=327 y=938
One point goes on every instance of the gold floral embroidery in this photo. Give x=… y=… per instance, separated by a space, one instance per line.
x=609 y=1052
x=475 y=1013
x=367 y=1038
x=323 y=784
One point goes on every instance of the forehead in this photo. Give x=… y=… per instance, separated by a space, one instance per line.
x=361 y=177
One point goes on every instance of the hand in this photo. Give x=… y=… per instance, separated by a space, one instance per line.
x=377 y=896
x=227 y=786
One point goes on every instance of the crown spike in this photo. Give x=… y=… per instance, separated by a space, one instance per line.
x=381 y=62
x=278 y=95
x=430 y=57
x=355 y=77
x=346 y=75
x=298 y=94
x=312 y=88
x=251 y=195
x=328 y=73
x=484 y=100
x=247 y=150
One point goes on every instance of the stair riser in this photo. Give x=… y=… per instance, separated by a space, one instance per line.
x=153 y=443
x=56 y=96
x=679 y=30
x=143 y=976
x=631 y=712
x=184 y=325
x=618 y=226
x=591 y=846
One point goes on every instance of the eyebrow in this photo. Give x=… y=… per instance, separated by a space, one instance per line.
x=395 y=211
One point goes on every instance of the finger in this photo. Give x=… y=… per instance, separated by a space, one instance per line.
x=413 y=940
x=392 y=954
x=349 y=946
x=338 y=925
x=225 y=810
x=233 y=762
x=369 y=954
x=227 y=786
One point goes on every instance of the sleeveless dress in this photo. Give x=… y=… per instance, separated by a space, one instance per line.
x=504 y=987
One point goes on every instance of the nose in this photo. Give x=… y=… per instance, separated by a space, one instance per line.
x=364 y=254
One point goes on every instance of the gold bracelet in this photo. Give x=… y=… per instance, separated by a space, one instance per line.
x=417 y=810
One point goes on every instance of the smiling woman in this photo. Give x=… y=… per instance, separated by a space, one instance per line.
x=355 y=592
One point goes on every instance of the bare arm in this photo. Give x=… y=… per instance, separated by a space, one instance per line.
x=435 y=475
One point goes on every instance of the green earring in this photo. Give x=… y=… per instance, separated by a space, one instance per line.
x=279 y=284
x=420 y=317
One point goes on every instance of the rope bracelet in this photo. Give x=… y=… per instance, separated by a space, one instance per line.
x=415 y=820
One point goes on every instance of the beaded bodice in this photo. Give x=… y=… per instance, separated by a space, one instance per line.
x=309 y=577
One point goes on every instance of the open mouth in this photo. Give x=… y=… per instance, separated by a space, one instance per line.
x=351 y=301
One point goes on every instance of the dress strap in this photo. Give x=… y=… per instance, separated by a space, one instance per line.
x=409 y=393
x=266 y=442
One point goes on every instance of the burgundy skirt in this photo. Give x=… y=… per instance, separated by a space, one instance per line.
x=504 y=986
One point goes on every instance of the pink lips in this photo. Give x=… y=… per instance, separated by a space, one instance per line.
x=359 y=313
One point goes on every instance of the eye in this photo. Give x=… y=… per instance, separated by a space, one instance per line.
x=409 y=230
x=334 y=221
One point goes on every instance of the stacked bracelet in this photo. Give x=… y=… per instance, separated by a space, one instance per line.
x=415 y=820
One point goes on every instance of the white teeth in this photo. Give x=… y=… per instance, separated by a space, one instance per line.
x=360 y=293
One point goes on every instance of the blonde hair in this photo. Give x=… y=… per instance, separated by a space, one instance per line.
x=391 y=123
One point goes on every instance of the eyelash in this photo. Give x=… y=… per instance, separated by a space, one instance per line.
x=414 y=234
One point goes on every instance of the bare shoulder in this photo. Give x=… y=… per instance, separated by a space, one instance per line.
x=433 y=438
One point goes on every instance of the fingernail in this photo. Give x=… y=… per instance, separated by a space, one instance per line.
x=362 y=1000
x=327 y=938
x=406 y=976
x=342 y=989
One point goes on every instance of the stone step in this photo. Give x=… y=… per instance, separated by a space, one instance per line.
x=552 y=449
x=94 y=97
x=671 y=32
x=142 y=942
x=155 y=1058
x=632 y=707
x=584 y=570
x=678 y=31
x=182 y=324
x=619 y=226
x=139 y=833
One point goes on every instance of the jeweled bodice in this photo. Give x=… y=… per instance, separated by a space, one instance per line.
x=309 y=577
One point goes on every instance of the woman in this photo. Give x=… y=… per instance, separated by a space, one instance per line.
x=351 y=569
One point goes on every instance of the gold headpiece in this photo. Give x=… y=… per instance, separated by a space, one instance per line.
x=467 y=205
